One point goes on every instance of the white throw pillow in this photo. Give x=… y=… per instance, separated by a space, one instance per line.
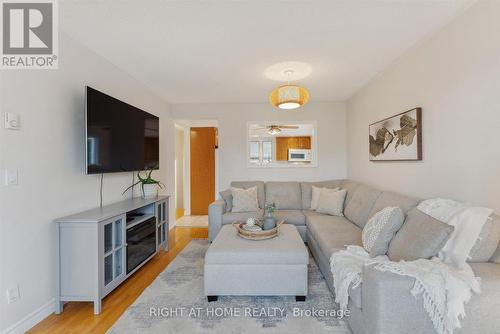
x=315 y=196
x=245 y=200
x=380 y=229
x=331 y=202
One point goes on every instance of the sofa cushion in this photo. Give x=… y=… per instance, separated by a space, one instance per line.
x=227 y=196
x=309 y=213
x=389 y=198
x=249 y=184
x=360 y=204
x=331 y=202
x=479 y=310
x=306 y=188
x=487 y=243
x=286 y=195
x=494 y=258
x=231 y=217
x=316 y=191
x=421 y=237
x=350 y=186
x=355 y=295
x=295 y=217
x=380 y=230
x=333 y=233
x=244 y=200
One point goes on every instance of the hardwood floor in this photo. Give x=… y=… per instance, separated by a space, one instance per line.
x=79 y=317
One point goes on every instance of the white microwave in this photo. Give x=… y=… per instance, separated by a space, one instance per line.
x=295 y=154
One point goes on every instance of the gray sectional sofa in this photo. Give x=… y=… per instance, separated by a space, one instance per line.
x=383 y=303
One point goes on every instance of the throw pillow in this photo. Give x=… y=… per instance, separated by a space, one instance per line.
x=245 y=200
x=331 y=202
x=315 y=196
x=421 y=237
x=227 y=196
x=380 y=229
x=488 y=240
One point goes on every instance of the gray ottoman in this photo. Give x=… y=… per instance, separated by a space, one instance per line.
x=273 y=267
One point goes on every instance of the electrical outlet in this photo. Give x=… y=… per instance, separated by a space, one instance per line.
x=13 y=294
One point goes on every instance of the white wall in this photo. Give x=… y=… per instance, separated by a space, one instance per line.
x=232 y=123
x=455 y=77
x=49 y=153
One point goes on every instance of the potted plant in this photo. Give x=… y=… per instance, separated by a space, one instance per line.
x=149 y=186
x=269 y=220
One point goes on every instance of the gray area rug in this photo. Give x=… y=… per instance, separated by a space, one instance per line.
x=175 y=303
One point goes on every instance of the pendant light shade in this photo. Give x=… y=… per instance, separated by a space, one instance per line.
x=289 y=97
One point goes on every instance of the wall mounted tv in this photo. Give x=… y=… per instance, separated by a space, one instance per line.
x=120 y=137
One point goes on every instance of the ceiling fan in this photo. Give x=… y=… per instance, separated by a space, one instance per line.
x=276 y=129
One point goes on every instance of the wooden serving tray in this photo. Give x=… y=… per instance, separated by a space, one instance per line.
x=257 y=235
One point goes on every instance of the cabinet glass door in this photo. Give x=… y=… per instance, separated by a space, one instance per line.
x=158 y=236
x=108 y=269
x=163 y=211
x=114 y=250
x=108 y=238
x=163 y=232
x=118 y=233
x=118 y=256
x=118 y=262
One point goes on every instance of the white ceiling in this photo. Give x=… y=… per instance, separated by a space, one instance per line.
x=217 y=51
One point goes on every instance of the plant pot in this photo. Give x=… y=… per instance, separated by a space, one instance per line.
x=269 y=223
x=149 y=190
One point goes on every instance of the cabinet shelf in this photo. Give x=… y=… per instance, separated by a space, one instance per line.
x=137 y=220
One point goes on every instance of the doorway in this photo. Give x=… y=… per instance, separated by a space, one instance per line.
x=195 y=171
x=202 y=150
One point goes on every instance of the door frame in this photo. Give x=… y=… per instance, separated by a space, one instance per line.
x=186 y=124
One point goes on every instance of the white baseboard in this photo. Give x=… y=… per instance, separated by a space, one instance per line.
x=25 y=324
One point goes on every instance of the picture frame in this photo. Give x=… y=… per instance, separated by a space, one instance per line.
x=396 y=138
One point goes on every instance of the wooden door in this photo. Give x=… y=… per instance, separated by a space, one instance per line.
x=202 y=161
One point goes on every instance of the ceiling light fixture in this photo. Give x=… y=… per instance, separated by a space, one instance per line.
x=274 y=130
x=289 y=96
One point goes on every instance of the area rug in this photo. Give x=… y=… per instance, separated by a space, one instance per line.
x=175 y=303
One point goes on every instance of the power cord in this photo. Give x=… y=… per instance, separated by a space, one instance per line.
x=132 y=190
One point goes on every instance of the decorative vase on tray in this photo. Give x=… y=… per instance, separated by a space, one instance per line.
x=269 y=220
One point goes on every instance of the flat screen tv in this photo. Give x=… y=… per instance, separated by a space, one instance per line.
x=120 y=137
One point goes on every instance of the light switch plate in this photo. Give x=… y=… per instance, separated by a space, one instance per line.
x=12 y=121
x=11 y=177
x=13 y=294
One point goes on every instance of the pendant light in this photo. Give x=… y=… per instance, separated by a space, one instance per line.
x=289 y=96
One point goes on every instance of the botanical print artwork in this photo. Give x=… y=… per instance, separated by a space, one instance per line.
x=397 y=138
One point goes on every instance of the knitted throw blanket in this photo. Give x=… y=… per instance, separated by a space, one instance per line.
x=444 y=289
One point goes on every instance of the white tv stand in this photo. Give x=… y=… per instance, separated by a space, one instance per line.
x=92 y=252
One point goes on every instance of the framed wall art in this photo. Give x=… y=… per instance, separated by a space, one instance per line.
x=397 y=138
